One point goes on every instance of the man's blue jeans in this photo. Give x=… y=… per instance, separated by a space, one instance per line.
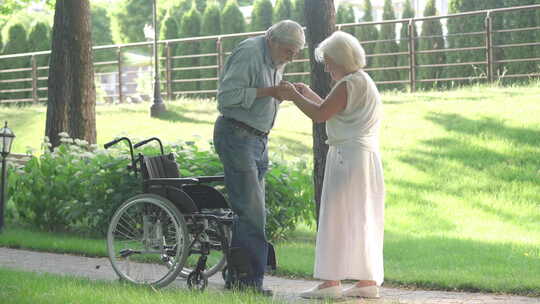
x=245 y=162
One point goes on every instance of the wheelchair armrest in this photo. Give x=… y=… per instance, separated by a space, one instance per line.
x=209 y=179
x=170 y=181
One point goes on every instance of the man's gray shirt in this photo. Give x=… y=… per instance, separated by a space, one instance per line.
x=249 y=67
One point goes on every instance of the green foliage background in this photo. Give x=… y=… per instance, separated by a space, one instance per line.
x=387 y=44
x=368 y=32
x=262 y=15
x=77 y=187
x=431 y=39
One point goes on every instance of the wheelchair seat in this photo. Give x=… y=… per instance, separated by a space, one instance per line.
x=190 y=195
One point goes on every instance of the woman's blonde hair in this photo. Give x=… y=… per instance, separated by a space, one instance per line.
x=344 y=49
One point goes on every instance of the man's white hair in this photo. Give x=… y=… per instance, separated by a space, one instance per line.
x=344 y=49
x=287 y=32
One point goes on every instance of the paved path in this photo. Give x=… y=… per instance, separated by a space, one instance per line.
x=284 y=289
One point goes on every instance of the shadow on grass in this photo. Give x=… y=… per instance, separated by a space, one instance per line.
x=397 y=100
x=448 y=263
x=486 y=126
x=436 y=158
x=173 y=115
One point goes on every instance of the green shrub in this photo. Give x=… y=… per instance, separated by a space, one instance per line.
x=210 y=26
x=17 y=42
x=298 y=12
x=232 y=21
x=345 y=14
x=190 y=27
x=520 y=19
x=431 y=40
x=283 y=10
x=128 y=19
x=456 y=28
x=261 y=16
x=73 y=188
x=367 y=32
x=101 y=35
x=78 y=188
x=403 y=60
x=170 y=30
x=387 y=44
x=39 y=39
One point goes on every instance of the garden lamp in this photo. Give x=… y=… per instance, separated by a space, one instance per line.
x=158 y=106
x=6 y=139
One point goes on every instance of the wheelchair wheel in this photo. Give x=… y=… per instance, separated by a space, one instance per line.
x=219 y=236
x=147 y=240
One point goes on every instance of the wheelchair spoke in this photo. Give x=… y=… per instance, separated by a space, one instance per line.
x=146 y=241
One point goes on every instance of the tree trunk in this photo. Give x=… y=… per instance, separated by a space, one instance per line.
x=72 y=93
x=320 y=23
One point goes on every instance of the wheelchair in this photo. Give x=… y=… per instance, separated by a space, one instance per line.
x=156 y=236
x=176 y=227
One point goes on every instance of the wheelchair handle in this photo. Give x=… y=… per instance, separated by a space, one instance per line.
x=115 y=141
x=144 y=142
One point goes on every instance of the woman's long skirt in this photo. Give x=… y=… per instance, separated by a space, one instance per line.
x=351 y=221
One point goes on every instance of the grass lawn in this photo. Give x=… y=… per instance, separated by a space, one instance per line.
x=461 y=169
x=30 y=288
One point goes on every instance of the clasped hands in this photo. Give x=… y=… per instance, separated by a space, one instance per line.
x=291 y=91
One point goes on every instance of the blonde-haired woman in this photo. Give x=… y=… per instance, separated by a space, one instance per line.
x=351 y=221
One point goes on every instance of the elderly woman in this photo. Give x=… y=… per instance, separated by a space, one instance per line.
x=350 y=235
x=248 y=102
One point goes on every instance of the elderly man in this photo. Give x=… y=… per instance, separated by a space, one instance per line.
x=248 y=101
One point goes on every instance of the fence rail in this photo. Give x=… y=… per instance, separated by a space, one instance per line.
x=192 y=65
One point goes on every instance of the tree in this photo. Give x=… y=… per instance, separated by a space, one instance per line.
x=345 y=14
x=261 y=16
x=232 y=21
x=9 y=6
x=210 y=26
x=514 y=20
x=387 y=44
x=431 y=39
x=201 y=5
x=283 y=10
x=190 y=27
x=367 y=33
x=297 y=67
x=101 y=35
x=320 y=23
x=298 y=12
x=458 y=28
x=404 y=39
x=17 y=43
x=170 y=30
x=39 y=39
x=128 y=19
x=71 y=95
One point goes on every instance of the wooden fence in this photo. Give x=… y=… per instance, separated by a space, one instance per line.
x=190 y=66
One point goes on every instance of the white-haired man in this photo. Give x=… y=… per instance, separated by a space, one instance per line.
x=248 y=101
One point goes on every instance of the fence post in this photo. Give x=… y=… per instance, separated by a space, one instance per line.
x=168 y=70
x=119 y=58
x=412 y=56
x=34 y=79
x=219 y=48
x=489 y=46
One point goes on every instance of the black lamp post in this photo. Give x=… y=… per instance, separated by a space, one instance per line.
x=158 y=107
x=6 y=138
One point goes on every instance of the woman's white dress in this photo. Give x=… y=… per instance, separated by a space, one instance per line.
x=351 y=221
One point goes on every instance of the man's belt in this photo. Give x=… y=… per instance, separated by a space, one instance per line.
x=246 y=127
